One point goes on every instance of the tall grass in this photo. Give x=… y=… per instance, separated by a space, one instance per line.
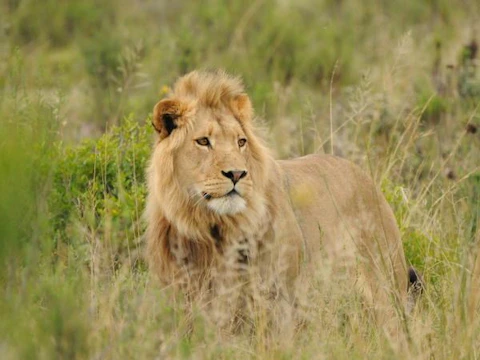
x=366 y=79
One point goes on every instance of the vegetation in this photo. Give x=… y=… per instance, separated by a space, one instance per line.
x=394 y=87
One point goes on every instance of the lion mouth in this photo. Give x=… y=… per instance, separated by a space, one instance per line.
x=230 y=203
x=231 y=193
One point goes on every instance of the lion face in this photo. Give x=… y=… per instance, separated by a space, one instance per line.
x=211 y=164
x=206 y=146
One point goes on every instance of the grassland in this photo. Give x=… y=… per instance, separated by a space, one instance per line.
x=393 y=86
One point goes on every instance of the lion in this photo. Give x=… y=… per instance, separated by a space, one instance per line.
x=223 y=214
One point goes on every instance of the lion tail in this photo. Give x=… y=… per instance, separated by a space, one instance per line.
x=416 y=287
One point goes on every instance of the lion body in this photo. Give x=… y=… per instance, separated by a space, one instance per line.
x=345 y=221
x=208 y=232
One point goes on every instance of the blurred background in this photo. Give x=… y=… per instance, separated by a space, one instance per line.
x=97 y=60
x=391 y=85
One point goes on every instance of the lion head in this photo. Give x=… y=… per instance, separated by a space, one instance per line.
x=207 y=161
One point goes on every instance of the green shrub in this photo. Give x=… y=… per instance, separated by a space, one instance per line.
x=27 y=127
x=101 y=184
x=433 y=107
x=426 y=250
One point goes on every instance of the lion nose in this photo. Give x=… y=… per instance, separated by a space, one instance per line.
x=234 y=175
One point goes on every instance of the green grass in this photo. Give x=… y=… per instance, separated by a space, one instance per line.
x=78 y=81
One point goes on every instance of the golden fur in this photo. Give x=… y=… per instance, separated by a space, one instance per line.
x=286 y=218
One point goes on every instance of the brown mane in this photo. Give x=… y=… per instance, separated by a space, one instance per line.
x=210 y=89
x=174 y=217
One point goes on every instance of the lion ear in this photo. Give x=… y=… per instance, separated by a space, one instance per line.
x=242 y=107
x=167 y=116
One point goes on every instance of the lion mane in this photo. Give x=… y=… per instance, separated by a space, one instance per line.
x=221 y=209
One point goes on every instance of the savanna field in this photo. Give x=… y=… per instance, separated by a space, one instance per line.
x=393 y=86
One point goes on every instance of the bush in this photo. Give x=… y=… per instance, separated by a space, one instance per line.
x=100 y=186
x=27 y=128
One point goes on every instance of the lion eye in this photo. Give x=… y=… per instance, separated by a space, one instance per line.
x=203 y=141
x=242 y=142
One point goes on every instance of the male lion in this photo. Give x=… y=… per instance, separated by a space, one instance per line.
x=223 y=214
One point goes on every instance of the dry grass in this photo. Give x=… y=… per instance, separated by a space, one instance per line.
x=360 y=80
